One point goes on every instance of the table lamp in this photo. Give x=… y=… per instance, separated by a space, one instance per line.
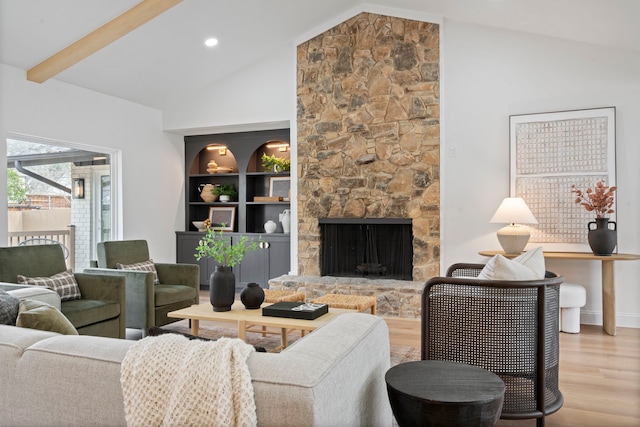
x=513 y=211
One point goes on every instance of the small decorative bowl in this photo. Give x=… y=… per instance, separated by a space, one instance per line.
x=198 y=224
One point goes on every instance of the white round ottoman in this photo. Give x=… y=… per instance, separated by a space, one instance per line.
x=572 y=297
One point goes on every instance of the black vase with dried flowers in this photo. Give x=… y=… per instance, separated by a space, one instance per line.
x=602 y=239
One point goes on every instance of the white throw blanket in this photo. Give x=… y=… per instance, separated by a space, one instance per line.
x=171 y=381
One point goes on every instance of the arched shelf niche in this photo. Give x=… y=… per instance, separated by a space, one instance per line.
x=238 y=157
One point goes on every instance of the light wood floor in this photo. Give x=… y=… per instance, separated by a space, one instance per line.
x=599 y=376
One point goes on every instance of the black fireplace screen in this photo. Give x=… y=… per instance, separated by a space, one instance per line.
x=366 y=247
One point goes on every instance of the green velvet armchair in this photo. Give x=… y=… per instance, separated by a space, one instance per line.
x=101 y=309
x=148 y=302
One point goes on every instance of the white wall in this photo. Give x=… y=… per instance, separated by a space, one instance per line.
x=152 y=161
x=490 y=74
x=259 y=94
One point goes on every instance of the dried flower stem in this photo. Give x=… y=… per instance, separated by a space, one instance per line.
x=599 y=200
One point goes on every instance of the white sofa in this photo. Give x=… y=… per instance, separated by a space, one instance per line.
x=332 y=377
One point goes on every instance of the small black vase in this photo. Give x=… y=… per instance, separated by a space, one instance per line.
x=252 y=296
x=222 y=288
x=602 y=239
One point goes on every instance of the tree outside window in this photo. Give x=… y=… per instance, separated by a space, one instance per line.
x=16 y=187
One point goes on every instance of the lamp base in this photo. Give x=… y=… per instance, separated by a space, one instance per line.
x=513 y=238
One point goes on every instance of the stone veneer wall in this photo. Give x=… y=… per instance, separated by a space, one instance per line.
x=369 y=132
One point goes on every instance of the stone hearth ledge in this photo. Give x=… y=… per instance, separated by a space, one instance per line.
x=394 y=298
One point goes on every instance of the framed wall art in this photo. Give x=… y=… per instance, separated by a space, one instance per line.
x=222 y=218
x=550 y=152
x=279 y=186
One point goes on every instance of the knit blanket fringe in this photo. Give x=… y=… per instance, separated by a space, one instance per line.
x=171 y=381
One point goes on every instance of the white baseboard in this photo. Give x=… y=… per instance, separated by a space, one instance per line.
x=623 y=320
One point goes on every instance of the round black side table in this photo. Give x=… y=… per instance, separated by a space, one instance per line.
x=436 y=393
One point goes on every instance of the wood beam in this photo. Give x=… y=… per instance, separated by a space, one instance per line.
x=99 y=38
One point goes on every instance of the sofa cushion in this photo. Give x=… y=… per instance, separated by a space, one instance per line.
x=42 y=316
x=63 y=283
x=8 y=308
x=169 y=294
x=38 y=293
x=528 y=266
x=83 y=312
x=141 y=266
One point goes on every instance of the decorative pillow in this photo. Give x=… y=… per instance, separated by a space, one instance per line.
x=63 y=283
x=45 y=317
x=528 y=266
x=8 y=308
x=141 y=266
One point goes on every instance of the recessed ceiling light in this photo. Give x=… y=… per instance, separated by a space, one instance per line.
x=211 y=42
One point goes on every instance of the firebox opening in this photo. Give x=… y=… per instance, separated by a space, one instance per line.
x=375 y=247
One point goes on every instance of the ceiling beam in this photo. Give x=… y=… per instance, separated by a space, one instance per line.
x=138 y=15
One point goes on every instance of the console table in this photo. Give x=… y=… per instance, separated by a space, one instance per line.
x=608 y=285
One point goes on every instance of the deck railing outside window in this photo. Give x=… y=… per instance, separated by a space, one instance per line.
x=65 y=237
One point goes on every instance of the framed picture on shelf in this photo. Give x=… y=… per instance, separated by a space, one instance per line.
x=222 y=218
x=279 y=186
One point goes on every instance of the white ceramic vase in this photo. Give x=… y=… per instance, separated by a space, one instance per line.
x=270 y=227
x=285 y=219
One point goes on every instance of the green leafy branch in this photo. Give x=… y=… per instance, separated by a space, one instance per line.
x=217 y=246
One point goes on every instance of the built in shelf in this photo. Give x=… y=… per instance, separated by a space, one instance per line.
x=243 y=152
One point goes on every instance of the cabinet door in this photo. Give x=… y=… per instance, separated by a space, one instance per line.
x=279 y=257
x=271 y=260
x=186 y=248
x=254 y=267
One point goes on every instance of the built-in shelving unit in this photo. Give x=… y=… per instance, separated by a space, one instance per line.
x=241 y=154
x=238 y=155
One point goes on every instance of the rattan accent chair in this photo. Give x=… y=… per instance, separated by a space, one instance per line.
x=507 y=327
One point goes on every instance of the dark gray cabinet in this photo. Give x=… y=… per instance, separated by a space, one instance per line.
x=270 y=260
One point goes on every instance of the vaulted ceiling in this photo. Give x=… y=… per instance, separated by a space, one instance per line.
x=166 y=57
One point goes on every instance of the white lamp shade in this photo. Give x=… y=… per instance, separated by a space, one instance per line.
x=513 y=210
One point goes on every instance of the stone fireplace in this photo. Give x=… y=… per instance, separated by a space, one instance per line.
x=368 y=138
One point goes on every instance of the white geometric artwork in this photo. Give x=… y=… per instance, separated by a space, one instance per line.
x=550 y=152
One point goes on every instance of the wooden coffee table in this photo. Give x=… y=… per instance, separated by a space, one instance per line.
x=245 y=318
